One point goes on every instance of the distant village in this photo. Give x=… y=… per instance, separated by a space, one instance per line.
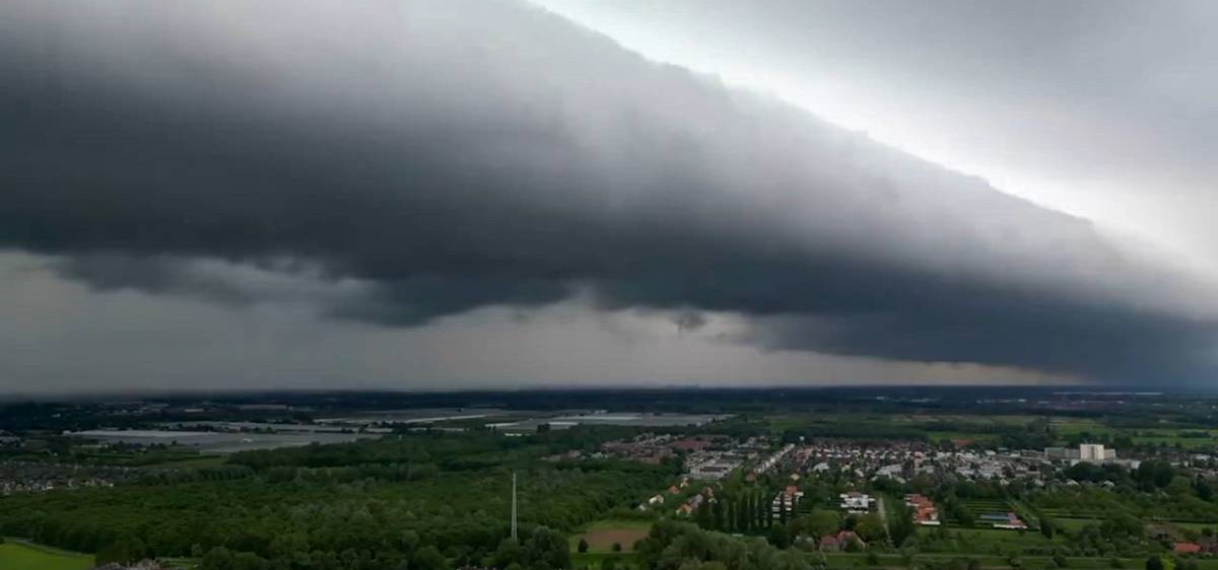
x=710 y=458
x=31 y=477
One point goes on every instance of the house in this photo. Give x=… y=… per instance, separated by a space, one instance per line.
x=656 y=500
x=829 y=543
x=673 y=490
x=924 y=511
x=847 y=540
x=146 y=564
x=1186 y=548
x=785 y=502
x=1009 y=521
x=892 y=471
x=856 y=503
x=690 y=445
x=685 y=510
x=844 y=540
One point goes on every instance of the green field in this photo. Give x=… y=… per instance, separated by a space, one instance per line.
x=1154 y=436
x=24 y=556
x=595 y=560
x=1075 y=524
x=858 y=560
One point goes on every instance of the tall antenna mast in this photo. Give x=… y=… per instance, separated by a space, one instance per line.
x=514 y=506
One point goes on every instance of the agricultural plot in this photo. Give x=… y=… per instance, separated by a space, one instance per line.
x=997 y=541
x=602 y=535
x=1188 y=438
x=988 y=513
x=1073 y=513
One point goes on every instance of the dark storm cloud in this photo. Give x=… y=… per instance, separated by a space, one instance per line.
x=447 y=156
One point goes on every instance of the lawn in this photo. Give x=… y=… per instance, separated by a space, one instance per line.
x=594 y=561
x=24 y=556
x=1075 y=524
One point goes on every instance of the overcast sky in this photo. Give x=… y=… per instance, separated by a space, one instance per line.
x=446 y=195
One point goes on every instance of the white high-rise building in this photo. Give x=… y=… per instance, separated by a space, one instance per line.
x=1093 y=452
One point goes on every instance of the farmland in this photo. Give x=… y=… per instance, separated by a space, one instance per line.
x=601 y=536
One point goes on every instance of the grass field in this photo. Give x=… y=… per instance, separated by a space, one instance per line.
x=594 y=560
x=1074 y=524
x=1155 y=436
x=856 y=560
x=602 y=535
x=24 y=556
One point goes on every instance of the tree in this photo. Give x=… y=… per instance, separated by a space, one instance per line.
x=1154 y=563
x=1046 y=527
x=1121 y=526
x=901 y=525
x=583 y=545
x=870 y=527
x=617 y=547
x=218 y=558
x=507 y=554
x=125 y=550
x=546 y=550
x=818 y=523
x=429 y=558
x=777 y=536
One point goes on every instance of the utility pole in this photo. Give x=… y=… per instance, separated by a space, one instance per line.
x=514 y=506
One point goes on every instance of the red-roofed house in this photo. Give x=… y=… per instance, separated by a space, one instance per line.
x=1187 y=548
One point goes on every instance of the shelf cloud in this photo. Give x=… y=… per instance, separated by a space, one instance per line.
x=397 y=163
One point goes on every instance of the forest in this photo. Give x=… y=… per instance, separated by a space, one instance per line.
x=428 y=501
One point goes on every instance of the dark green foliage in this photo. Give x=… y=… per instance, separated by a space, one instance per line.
x=681 y=546
x=1154 y=474
x=355 y=515
x=1154 y=563
x=1046 y=527
x=125 y=550
x=900 y=522
x=870 y=528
